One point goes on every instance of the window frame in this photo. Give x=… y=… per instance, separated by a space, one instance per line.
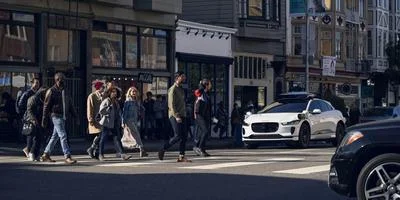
x=272 y=14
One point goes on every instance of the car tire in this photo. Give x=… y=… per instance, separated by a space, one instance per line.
x=304 y=136
x=339 y=134
x=251 y=146
x=368 y=173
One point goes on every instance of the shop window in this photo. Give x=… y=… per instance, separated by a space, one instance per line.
x=153 y=53
x=17 y=43
x=57 y=47
x=326 y=47
x=131 y=51
x=14 y=82
x=106 y=49
x=245 y=67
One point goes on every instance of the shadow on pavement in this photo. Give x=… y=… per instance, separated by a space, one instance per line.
x=18 y=183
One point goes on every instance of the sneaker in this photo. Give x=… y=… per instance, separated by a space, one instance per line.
x=46 y=158
x=31 y=157
x=125 y=157
x=91 y=152
x=183 y=159
x=197 y=151
x=69 y=160
x=205 y=154
x=102 y=158
x=25 y=150
x=161 y=154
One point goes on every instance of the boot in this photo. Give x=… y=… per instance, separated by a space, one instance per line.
x=46 y=158
x=143 y=153
x=69 y=160
x=90 y=152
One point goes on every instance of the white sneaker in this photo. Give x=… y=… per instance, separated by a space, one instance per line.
x=30 y=157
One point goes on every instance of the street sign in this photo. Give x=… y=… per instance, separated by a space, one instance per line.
x=145 y=78
x=328 y=66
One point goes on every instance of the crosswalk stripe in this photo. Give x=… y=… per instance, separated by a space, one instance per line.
x=288 y=159
x=132 y=164
x=223 y=165
x=306 y=170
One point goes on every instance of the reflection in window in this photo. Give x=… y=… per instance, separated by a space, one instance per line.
x=57 y=48
x=153 y=53
x=17 y=43
x=106 y=49
x=5 y=82
x=131 y=51
x=158 y=87
x=255 y=8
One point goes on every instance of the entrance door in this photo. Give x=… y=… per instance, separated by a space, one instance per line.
x=75 y=83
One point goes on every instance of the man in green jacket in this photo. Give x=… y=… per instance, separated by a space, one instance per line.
x=177 y=117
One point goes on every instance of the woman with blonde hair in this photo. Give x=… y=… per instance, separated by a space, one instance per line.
x=130 y=118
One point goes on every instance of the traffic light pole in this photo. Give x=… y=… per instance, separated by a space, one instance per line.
x=307 y=47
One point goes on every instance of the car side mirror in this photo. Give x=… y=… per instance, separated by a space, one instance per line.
x=316 y=112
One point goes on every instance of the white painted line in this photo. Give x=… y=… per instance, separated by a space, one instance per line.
x=306 y=170
x=224 y=165
x=283 y=159
x=123 y=164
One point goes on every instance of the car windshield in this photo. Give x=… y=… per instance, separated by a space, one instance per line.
x=379 y=112
x=285 y=107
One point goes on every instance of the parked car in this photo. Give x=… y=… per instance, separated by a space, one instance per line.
x=377 y=113
x=296 y=119
x=366 y=164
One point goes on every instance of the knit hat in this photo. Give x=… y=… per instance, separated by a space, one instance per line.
x=197 y=93
x=98 y=85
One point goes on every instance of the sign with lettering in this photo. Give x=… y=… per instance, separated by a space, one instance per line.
x=328 y=66
x=145 y=78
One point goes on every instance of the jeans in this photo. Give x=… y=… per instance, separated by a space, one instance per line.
x=180 y=135
x=95 y=143
x=58 y=133
x=117 y=140
x=29 y=142
x=202 y=132
x=237 y=130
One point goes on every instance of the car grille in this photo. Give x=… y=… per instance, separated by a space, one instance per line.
x=267 y=137
x=264 y=127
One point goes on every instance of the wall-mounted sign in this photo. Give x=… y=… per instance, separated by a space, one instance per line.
x=145 y=78
x=328 y=66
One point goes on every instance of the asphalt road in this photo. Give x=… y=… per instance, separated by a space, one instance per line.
x=232 y=174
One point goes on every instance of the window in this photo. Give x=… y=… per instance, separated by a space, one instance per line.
x=339 y=5
x=131 y=51
x=57 y=45
x=379 y=44
x=18 y=37
x=314 y=105
x=369 y=43
x=298 y=48
x=255 y=8
x=326 y=43
x=397 y=5
x=153 y=53
x=106 y=49
x=361 y=8
x=338 y=45
x=263 y=9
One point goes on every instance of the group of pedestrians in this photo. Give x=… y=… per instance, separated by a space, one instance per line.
x=108 y=117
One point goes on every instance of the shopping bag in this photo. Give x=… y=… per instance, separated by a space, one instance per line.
x=127 y=140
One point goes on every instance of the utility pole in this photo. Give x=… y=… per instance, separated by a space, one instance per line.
x=307 y=46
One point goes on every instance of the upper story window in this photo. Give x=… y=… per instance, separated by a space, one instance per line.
x=338 y=5
x=18 y=41
x=262 y=9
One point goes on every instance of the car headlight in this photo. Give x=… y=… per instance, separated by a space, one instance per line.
x=294 y=122
x=350 y=138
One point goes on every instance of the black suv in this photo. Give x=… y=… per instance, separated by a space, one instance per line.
x=366 y=164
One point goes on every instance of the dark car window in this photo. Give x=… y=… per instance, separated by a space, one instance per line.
x=314 y=105
x=378 y=112
x=286 y=107
x=324 y=106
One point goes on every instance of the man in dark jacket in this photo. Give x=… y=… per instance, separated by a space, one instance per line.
x=56 y=106
x=202 y=117
x=22 y=106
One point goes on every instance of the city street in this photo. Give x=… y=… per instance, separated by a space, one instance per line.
x=278 y=173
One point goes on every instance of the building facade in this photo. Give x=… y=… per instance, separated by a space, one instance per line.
x=258 y=46
x=205 y=51
x=89 y=41
x=339 y=32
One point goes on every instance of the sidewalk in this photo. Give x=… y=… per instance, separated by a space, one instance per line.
x=79 y=146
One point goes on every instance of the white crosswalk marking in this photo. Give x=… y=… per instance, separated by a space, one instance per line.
x=224 y=165
x=283 y=159
x=130 y=164
x=306 y=170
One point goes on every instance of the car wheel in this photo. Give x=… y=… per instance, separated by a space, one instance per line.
x=251 y=146
x=304 y=136
x=380 y=178
x=339 y=134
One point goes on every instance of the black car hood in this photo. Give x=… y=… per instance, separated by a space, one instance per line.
x=376 y=125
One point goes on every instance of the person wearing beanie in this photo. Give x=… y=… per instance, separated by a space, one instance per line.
x=93 y=106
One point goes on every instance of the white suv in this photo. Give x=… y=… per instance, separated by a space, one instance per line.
x=296 y=119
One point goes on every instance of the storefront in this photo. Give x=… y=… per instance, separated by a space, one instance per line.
x=204 y=51
x=87 y=41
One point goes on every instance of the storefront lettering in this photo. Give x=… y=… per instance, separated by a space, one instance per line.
x=145 y=78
